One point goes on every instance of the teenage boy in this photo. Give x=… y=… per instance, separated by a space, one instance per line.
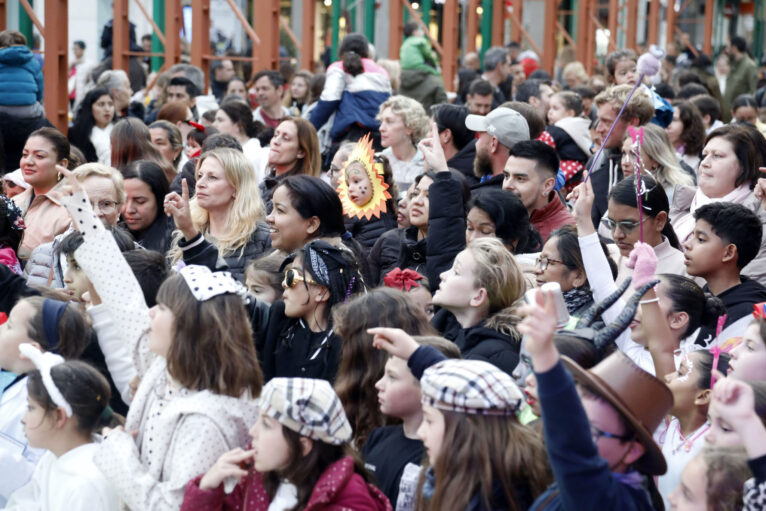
x=390 y=449
x=725 y=239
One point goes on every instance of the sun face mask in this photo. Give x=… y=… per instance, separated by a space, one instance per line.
x=362 y=189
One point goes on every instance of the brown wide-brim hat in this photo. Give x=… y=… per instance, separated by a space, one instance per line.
x=639 y=397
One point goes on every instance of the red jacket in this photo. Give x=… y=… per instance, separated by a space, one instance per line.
x=339 y=489
x=550 y=217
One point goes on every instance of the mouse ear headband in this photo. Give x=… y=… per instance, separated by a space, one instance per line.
x=363 y=154
x=44 y=362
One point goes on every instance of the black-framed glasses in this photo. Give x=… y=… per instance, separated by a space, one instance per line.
x=292 y=277
x=626 y=226
x=596 y=433
x=544 y=261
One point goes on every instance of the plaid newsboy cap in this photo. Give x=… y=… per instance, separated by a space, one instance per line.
x=471 y=387
x=309 y=407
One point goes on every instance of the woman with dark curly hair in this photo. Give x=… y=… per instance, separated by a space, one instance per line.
x=687 y=132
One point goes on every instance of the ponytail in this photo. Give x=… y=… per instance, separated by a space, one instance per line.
x=353 y=49
x=685 y=295
x=352 y=63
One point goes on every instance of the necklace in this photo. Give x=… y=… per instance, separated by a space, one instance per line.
x=687 y=443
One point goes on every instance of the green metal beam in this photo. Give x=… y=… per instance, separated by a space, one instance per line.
x=25 y=23
x=158 y=13
x=425 y=6
x=336 y=8
x=486 y=27
x=369 y=20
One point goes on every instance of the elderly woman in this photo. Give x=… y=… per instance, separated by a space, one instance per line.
x=727 y=173
x=222 y=226
x=403 y=122
x=105 y=188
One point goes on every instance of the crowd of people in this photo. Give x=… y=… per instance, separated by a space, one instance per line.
x=241 y=297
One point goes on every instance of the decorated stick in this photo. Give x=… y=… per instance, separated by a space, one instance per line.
x=637 y=135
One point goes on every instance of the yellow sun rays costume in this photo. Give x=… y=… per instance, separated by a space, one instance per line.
x=364 y=154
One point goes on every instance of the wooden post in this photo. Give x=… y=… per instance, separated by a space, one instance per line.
x=549 y=40
x=307 y=35
x=120 y=35
x=613 y=21
x=55 y=69
x=631 y=24
x=654 y=22
x=172 y=29
x=449 y=42
x=200 y=44
x=266 y=21
x=3 y=14
x=707 y=43
x=583 y=31
x=670 y=20
x=395 y=35
x=518 y=15
x=498 y=23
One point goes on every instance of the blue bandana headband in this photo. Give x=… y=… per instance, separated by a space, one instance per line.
x=52 y=312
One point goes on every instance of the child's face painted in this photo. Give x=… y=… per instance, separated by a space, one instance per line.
x=14 y=332
x=398 y=390
x=359 y=185
x=37 y=424
x=431 y=432
x=704 y=250
x=748 y=359
x=683 y=384
x=691 y=494
x=258 y=282
x=271 y=449
x=161 y=329
x=76 y=281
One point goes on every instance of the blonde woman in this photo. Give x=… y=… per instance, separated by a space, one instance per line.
x=659 y=159
x=403 y=123
x=223 y=222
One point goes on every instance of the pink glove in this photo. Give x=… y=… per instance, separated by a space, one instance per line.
x=643 y=262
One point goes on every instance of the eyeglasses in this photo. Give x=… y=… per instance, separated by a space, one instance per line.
x=292 y=277
x=544 y=261
x=625 y=226
x=596 y=433
x=105 y=206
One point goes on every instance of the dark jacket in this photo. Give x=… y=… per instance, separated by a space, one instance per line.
x=14 y=288
x=158 y=236
x=338 y=488
x=80 y=137
x=583 y=481
x=187 y=172
x=206 y=253
x=603 y=178
x=480 y=342
x=14 y=132
x=463 y=161
x=424 y=87
x=739 y=301
x=433 y=254
x=291 y=349
x=367 y=232
x=21 y=79
x=488 y=182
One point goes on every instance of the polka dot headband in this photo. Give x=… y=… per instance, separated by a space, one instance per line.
x=205 y=284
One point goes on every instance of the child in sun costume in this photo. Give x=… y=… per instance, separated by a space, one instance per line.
x=367 y=190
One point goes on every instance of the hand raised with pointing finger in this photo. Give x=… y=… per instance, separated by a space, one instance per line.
x=178 y=207
x=432 y=150
x=395 y=341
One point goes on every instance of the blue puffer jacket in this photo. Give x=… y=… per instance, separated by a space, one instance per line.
x=21 y=79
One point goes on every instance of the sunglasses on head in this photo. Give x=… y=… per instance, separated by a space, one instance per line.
x=293 y=276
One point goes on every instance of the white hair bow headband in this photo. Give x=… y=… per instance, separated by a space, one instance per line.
x=205 y=284
x=44 y=362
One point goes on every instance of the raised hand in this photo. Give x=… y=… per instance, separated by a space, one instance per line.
x=432 y=150
x=178 y=207
x=734 y=401
x=643 y=262
x=395 y=341
x=538 y=328
x=583 y=198
x=760 y=188
x=230 y=464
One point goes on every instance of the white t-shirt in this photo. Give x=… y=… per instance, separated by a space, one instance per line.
x=678 y=451
x=285 y=498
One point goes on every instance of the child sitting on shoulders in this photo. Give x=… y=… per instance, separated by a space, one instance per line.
x=571 y=135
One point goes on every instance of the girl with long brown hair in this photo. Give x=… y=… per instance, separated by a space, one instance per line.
x=361 y=365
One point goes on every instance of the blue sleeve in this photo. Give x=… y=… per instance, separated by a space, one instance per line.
x=423 y=358
x=323 y=111
x=582 y=476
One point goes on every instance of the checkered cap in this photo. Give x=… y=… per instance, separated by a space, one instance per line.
x=470 y=386
x=309 y=407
